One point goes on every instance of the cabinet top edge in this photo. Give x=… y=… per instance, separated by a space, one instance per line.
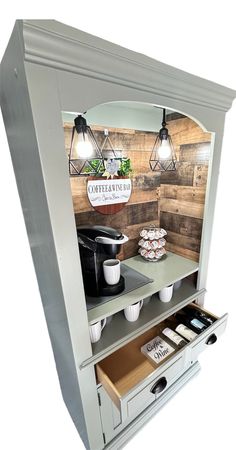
x=46 y=42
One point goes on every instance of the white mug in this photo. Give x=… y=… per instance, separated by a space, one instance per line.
x=95 y=330
x=177 y=285
x=166 y=293
x=111 y=270
x=132 y=312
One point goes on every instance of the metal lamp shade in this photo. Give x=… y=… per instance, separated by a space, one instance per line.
x=107 y=148
x=163 y=156
x=158 y=164
x=85 y=157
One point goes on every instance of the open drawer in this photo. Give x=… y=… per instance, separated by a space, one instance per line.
x=133 y=382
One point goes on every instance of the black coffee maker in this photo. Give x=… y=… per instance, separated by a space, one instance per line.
x=98 y=243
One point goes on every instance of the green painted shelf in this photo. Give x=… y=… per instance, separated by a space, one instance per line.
x=164 y=272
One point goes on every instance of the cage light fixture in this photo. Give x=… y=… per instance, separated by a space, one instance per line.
x=163 y=157
x=85 y=157
x=107 y=148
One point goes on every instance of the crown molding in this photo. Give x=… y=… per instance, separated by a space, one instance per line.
x=55 y=45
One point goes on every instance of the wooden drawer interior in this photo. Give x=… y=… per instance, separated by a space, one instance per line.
x=127 y=367
x=120 y=372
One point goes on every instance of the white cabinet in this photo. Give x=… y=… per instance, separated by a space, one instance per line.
x=76 y=71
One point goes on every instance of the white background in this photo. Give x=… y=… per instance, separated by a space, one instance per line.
x=198 y=37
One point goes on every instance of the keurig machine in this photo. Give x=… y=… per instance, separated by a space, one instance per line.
x=97 y=244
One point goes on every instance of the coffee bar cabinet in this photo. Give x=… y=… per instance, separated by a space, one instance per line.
x=50 y=70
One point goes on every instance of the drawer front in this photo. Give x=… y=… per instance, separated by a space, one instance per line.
x=208 y=338
x=154 y=389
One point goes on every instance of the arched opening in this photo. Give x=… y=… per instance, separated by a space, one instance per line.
x=173 y=200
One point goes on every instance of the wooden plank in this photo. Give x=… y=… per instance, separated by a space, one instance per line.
x=186 y=131
x=185 y=171
x=183 y=175
x=200 y=175
x=195 y=153
x=183 y=225
x=170 y=178
x=79 y=194
x=139 y=196
x=183 y=208
x=146 y=181
x=140 y=213
x=81 y=204
x=182 y=131
x=174 y=116
x=144 y=187
x=130 y=215
x=186 y=193
x=67 y=136
x=118 y=220
x=78 y=186
x=194 y=256
x=187 y=242
x=139 y=161
x=112 y=129
x=130 y=248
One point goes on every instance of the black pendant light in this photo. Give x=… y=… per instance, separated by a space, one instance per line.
x=163 y=155
x=85 y=157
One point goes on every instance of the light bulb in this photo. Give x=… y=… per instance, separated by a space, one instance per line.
x=164 y=151
x=84 y=148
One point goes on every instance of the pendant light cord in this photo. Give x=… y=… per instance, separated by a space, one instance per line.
x=164 y=118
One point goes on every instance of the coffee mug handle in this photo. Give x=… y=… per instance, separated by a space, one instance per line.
x=104 y=321
x=141 y=304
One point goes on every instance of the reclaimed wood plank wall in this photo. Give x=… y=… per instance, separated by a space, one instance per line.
x=172 y=200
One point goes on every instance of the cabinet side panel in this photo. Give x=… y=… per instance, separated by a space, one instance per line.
x=17 y=114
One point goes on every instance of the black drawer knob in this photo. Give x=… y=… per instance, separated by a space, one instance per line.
x=159 y=386
x=211 y=339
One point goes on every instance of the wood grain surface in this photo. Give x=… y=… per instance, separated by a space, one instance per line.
x=124 y=369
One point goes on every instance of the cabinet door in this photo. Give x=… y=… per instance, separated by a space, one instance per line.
x=112 y=424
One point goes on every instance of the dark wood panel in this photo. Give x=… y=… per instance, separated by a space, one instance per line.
x=182 y=251
x=118 y=220
x=188 y=242
x=144 y=187
x=174 y=116
x=130 y=215
x=146 y=181
x=183 y=225
x=130 y=248
x=186 y=173
x=183 y=175
x=142 y=212
x=195 y=153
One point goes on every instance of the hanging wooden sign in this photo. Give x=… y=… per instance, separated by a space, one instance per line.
x=108 y=196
